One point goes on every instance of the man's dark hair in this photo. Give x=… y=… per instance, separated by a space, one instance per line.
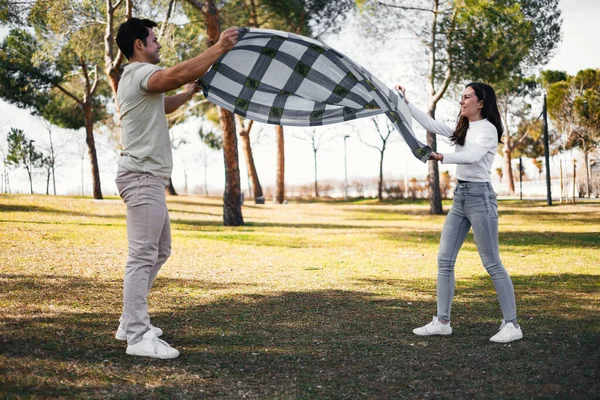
x=130 y=30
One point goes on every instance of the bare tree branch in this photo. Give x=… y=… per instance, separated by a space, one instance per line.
x=199 y=4
x=448 y=76
x=65 y=91
x=245 y=129
x=95 y=84
x=86 y=76
x=404 y=7
x=163 y=26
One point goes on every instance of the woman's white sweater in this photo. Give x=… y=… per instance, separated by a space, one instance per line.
x=476 y=157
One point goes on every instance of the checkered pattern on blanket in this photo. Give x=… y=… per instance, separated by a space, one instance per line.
x=285 y=79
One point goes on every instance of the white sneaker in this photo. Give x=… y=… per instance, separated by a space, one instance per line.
x=122 y=334
x=435 y=327
x=508 y=333
x=152 y=346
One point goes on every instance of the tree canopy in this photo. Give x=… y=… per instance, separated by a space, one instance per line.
x=574 y=107
x=52 y=87
x=12 y=12
x=22 y=152
x=494 y=40
x=54 y=70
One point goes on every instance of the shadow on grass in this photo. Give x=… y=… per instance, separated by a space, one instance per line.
x=217 y=204
x=385 y=212
x=27 y=208
x=173 y=200
x=550 y=239
x=54 y=211
x=365 y=201
x=303 y=344
x=309 y=225
x=190 y=223
x=380 y=213
x=82 y=223
x=534 y=290
x=520 y=239
x=259 y=239
x=194 y=212
x=581 y=217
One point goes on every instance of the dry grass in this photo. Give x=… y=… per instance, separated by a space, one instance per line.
x=313 y=300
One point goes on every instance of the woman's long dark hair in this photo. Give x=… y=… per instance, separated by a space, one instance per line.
x=490 y=111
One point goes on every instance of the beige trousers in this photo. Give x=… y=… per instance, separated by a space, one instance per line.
x=149 y=239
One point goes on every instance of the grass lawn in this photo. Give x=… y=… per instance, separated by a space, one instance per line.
x=307 y=300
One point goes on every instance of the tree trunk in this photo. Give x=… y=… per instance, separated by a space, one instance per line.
x=171 y=189
x=435 y=194
x=30 y=180
x=112 y=62
x=257 y=188
x=205 y=173
x=53 y=180
x=507 y=151
x=280 y=195
x=232 y=200
x=185 y=177
x=316 y=180
x=52 y=163
x=113 y=79
x=380 y=184
x=251 y=166
x=6 y=182
x=211 y=14
x=588 y=188
x=91 y=144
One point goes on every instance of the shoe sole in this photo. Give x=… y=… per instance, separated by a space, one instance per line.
x=433 y=334
x=124 y=337
x=506 y=341
x=152 y=355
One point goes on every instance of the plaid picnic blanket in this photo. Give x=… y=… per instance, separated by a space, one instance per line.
x=282 y=78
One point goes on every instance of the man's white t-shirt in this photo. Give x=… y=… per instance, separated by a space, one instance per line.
x=144 y=129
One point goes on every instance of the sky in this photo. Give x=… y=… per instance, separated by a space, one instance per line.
x=575 y=52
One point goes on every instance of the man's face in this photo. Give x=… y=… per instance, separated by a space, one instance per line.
x=152 y=48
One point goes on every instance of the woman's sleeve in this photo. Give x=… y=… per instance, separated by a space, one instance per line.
x=430 y=124
x=486 y=141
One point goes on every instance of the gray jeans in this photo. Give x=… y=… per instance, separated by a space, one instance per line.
x=149 y=238
x=475 y=205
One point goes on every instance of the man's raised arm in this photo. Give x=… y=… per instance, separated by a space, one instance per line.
x=188 y=71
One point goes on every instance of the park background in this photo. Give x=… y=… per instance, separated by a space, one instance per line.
x=316 y=298
x=399 y=59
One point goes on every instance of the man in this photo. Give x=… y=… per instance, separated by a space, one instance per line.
x=145 y=167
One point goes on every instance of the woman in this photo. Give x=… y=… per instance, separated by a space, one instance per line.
x=476 y=136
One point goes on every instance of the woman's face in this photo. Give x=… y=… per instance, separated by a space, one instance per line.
x=470 y=105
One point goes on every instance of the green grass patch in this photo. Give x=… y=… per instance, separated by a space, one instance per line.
x=307 y=300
